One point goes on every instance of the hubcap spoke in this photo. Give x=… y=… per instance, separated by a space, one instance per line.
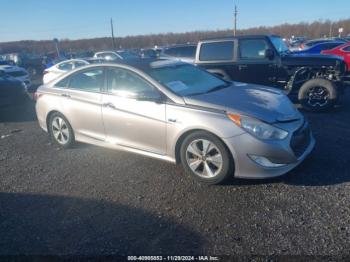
x=216 y=160
x=193 y=149
x=206 y=145
x=207 y=170
x=60 y=130
x=195 y=164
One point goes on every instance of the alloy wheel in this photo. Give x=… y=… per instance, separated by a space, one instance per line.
x=204 y=158
x=318 y=96
x=60 y=130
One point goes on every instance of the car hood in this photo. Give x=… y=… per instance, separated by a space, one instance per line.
x=303 y=59
x=264 y=103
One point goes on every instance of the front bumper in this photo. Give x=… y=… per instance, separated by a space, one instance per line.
x=279 y=152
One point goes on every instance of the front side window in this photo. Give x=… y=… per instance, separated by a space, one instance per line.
x=217 y=51
x=125 y=83
x=252 y=48
x=88 y=80
x=186 y=80
x=279 y=44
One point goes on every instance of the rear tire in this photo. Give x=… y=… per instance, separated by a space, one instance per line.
x=318 y=95
x=61 y=131
x=206 y=158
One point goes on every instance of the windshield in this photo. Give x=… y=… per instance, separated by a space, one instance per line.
x=187 y=80
x=279 y=44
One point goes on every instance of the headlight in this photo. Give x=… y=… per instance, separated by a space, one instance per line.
x=257 y=128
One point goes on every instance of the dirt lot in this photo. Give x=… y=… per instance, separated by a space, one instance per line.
x=91 y=200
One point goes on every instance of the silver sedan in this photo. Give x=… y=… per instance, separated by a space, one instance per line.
x=179 y=113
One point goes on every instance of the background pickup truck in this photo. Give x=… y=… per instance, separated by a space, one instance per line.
x=317 y=80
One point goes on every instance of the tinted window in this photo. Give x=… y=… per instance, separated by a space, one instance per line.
x=186 y=51
x=79 y=64
x=329 y=46
x=88 y=80
x=65 y=66
x=216 y=51
x=126 y=83
x=63 y=83
x=346 y=49
x=252 y=48
x=108 y=56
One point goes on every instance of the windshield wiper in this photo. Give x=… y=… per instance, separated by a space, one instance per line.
x=211 y=90
x=218 y=88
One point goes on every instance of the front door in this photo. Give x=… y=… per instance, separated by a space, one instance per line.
x=252 y=65
x=132 y=112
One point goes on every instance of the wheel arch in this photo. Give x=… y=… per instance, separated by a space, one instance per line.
x=187 y=133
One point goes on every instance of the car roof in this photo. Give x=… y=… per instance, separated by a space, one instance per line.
x=142 y=64
x=239 y=37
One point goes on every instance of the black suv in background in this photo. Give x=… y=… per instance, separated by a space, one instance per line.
x=317 y=80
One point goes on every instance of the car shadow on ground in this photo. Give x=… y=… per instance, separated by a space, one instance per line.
x=60 y=225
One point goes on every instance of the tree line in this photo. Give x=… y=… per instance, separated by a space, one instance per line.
x=311 y=30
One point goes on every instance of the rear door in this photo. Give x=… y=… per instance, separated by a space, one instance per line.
x=253 y=66
x=82 y=101
x=133 y=115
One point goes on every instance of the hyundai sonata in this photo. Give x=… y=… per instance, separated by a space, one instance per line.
x=177 y=112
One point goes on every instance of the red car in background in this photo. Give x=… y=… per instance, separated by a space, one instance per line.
x=343 y=51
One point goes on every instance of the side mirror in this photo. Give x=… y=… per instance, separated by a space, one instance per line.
x=269 y=54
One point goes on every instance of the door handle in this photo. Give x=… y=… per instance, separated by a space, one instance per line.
x=173 y=120
x=110 y=105
x=240 y=67
x=65 y=95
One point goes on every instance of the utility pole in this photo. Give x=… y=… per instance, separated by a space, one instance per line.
x=331 y=29
x=112 y=29
x=235 y=21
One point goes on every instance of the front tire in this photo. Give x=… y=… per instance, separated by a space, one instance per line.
x=318 y=95
x=206 y=158
x=61 y=131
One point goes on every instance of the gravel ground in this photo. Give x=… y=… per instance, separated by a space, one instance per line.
x=91 y=200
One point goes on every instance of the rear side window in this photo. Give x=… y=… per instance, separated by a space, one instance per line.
x=65 y=66
x=181 y=51
x=252 y=48
x=88 y=80
x=329 y=46
x=217 y=51
x=347 y=49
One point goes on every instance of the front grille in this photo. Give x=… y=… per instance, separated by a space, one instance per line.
x=17 y=73
x=301 y=140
